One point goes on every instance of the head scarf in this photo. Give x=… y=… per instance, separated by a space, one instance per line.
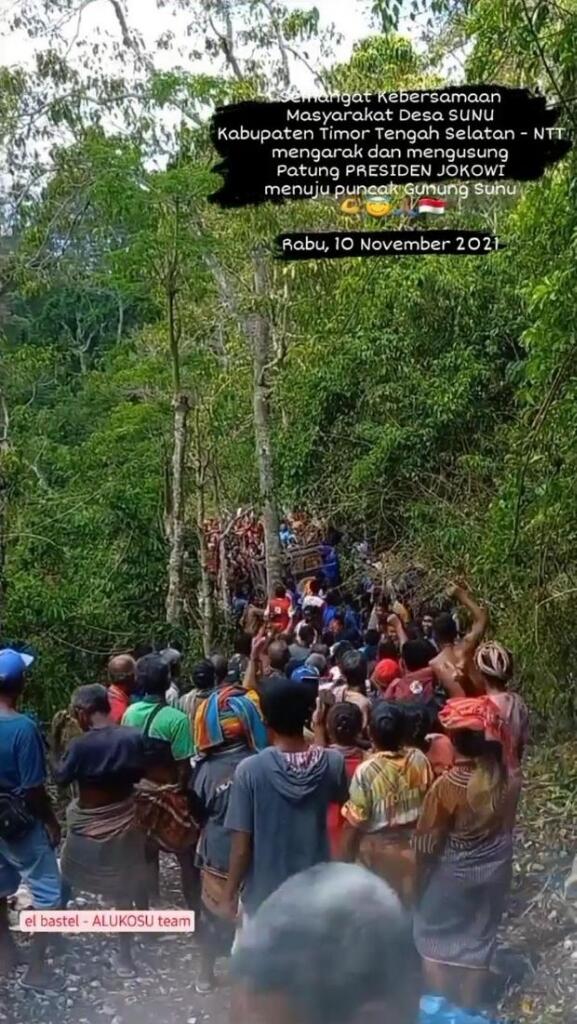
x=229 y=716
x=480 y=714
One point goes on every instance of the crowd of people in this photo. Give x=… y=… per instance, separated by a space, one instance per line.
x=337 y=730
x=240 y=543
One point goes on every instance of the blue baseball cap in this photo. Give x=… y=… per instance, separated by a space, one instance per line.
x=13 y=664
x=305 y=672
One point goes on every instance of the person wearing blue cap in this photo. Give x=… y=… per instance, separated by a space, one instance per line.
x=29 y=831
x=305 y=672
x=308 y=677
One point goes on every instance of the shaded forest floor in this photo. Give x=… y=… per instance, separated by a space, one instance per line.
x=540 y=924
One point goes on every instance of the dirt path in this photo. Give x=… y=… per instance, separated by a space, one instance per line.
x=539 y=924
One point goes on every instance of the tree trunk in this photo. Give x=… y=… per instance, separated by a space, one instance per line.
x=205 y=598
x=222 y=566
x=224 y=594
x=258 y=329
x=205 y=593
x=4 y=430
x=175 y=522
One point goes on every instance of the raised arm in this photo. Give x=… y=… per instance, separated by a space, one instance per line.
x=254 y=667
x=394 y=620
x=479 y=615
x=325 y=700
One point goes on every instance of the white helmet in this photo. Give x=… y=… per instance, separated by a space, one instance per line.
x=492 y=659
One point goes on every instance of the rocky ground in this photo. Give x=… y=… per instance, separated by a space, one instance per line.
x=540 y=925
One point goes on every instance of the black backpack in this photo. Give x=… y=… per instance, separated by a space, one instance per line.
x=155 y=749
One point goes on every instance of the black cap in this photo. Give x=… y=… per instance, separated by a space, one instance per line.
x=203 y=677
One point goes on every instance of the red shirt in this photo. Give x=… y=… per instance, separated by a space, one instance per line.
x=335 y=820
x=279 y=613
x=419 y=685
x=119 y=701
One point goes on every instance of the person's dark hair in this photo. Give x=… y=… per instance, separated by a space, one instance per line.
x=152 y=675
x=306 y=635
x=344 y=723
x=327 y=638
x=332 y=598
x=332 y=914
x=445 y=628
x=371 y=637
x=318 y=661
x=285 y=706
x=340 y=650
x=220 y=665
x=472 y=743
x=321 y=649
x=353 y=666
x=314 y=587
x=242 y=644
x=417 y=654
x=203 y=675
x=387 y=649
x=387 y=725
x=141 y=650
x=419 y=720
x=92 y=698
x=278 y=654
x=413 y=632
x=279 y=590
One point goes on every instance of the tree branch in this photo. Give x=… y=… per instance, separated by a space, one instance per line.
x=227 y=46
x=4 y=422
x=282 y=45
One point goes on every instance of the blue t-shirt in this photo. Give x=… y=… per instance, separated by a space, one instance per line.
x=330 y=564
x=329 y=612
x=22 y=760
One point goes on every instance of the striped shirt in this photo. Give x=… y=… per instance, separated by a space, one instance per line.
x=387 y=790
x=447 y=815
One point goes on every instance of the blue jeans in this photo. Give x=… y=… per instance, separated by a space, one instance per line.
x=32 y=860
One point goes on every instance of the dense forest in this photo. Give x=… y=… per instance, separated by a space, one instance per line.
x=157 y=366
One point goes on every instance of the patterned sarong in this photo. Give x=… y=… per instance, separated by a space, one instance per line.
x=164 y=816
x=389 y=854
x=461 y=908
x=103 y=852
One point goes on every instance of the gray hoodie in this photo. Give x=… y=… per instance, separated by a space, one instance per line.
x=281 y=800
